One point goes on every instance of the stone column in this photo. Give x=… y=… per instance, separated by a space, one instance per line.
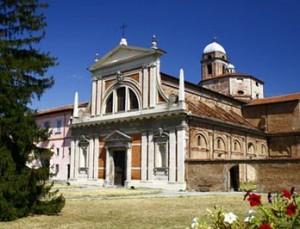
x=99 y=95
x=96 y=157
x=94 y=88
x=172 y=160
x=181 y=153
x=107 y=167
x=144 y=156
x=91 y=158
x=72 y=163
x=128 y=164
x=145 y=88
x=150 y=156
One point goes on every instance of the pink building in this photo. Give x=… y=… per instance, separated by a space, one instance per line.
x=57 y=120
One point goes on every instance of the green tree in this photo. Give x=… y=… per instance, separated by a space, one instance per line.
x=23 y=69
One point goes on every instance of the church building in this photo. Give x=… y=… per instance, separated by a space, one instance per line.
x=145 y=128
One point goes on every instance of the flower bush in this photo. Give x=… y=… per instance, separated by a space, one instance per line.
x=279 y=212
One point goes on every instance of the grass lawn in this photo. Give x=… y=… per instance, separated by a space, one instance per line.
x=140 y=211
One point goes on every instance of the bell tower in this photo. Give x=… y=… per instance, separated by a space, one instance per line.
x=214 y=61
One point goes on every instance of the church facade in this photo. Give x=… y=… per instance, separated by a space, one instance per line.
x=145 y=128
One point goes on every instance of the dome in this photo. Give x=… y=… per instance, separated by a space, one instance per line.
x=230 y=66
x=213 y=47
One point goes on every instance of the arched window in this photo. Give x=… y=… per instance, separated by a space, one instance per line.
x=220 y=144
x=251 y=148
x=263 y=149
x=201 y=140
x=209 y=69
x=236 y=146
x=109 y=104
x=125 y=100
x=134 y=104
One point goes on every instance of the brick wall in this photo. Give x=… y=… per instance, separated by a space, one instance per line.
x=271 y=176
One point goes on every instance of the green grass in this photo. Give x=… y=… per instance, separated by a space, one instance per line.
x=141 y=211
x=96 y=207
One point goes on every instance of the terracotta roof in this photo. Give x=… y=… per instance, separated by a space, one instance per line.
x=188 y=84
x=235 y=74
x=199 y=108
x=59 y=109
x=275 y=99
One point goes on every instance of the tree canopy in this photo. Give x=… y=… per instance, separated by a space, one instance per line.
x=23 y=76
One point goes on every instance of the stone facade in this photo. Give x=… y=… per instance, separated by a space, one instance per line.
x=144 y=128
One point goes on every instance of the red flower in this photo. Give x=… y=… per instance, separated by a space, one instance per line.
x=254 y=199
x=291 y=209
x=265 y=226
x=286 y=193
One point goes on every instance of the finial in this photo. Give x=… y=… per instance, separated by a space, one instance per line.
x=181 y=97
x=75 y=107
x=96 y=57
x=154 y=42
x=123 y=42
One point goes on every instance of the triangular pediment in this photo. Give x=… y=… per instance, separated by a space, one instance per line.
x=117 y=136
x=123 y=53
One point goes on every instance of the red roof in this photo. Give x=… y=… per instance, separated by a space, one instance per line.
x=275 y=99
x=200 y=109
x=68 y=107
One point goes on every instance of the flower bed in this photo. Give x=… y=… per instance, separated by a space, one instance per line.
x=280 y=211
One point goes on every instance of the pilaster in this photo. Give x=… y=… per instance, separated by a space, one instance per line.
x=91 y=158
x=128 y=166
x=76 y=163
x=145 y=88
x=153 y=87
x=144 y=156
x=107 y=167
x=99 y=100
x=172 y=164
x=94 y=86
x=150 y=156
x=72 y=163
x=181 y=142
x=96 y=156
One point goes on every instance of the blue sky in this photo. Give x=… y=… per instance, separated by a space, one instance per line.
x=261 y=37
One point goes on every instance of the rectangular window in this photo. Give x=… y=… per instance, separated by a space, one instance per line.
x=56 y=169
x=58 y=126
x=47 y=125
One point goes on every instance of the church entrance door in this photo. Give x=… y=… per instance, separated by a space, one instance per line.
x=119 y=170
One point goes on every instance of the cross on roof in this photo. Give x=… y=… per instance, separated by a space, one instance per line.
x=123 y=27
